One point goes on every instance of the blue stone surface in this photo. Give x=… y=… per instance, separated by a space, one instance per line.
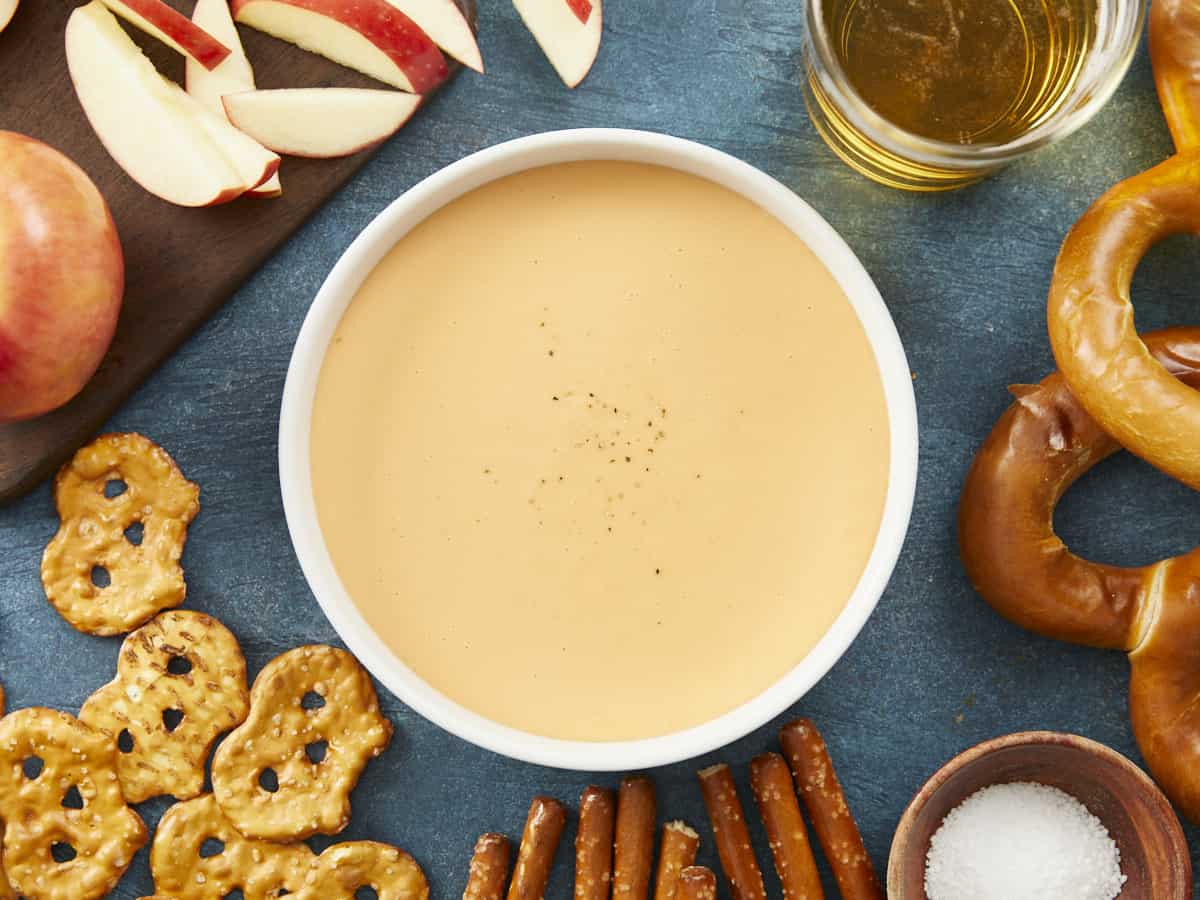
x=965 y=276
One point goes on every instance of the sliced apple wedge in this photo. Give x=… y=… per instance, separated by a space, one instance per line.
x=568 y=32
x=165 y=140
x=320 y=122
x=232 y=76
x=447 y=26
x=371 y=36
x=7 y=9
x=172 y=28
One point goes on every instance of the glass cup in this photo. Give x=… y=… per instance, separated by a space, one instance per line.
x=896 y=157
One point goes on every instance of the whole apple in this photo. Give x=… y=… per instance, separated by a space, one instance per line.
x=62 y=276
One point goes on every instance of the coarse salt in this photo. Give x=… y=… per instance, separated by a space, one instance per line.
x=1022 y=841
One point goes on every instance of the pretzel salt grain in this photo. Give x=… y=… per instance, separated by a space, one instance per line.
x=775 y=795
x=677 y=851
x=287 y=772
x=199 y=855
x=697 y=883
x=731 y=834
x=543 y=830
x=181 y=682
x=594 y=844
x=95 y=542
x=633 y=853
x=837 y=832
x=345 y=868
x=47 y=759
x=488 y=874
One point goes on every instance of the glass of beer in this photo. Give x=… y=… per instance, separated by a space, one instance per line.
x=931 y=95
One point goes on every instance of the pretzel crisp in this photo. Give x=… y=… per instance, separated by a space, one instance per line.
x=697 y=883
x=199 y=855
x=731 y=834
x=98 y=541
x=68 y=833
x=543 y=830
x=488 y=874
x=780 y=811
x=677 y=851
x=1038 y=448
x=594 y=844
x=837 y=832
x=287 y=772
x=344 y=868
x=633 y=854
x=6 y=891
x=181 y=682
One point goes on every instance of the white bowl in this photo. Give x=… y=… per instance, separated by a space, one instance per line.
x=438 y=190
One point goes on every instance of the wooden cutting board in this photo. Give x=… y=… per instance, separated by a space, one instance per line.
x=181 y=264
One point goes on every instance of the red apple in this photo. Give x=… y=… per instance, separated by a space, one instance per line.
x=372 y=36
x=568 y=31
x=62 y=276
x=172 y=28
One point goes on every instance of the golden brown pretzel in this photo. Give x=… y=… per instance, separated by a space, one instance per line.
x=1041 y=444
x=634 y=850
x=594 y=844
x=676 y=852
x=1091 y=324
x=539 y=842
x=730 y=833
x=697 y=883
x=1175 y=51
x=1090 y=315
x=775 y=795
x=488 y=875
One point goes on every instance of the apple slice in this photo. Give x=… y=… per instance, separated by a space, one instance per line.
x=172 y=28
x=568 y=32
x=7 y=9
x=447 y=26
x=165 y=140
x=320 y=122
x=232 y=76
x=371 y=36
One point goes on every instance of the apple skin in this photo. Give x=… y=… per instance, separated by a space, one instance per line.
x=8 y=9
x=62 y=277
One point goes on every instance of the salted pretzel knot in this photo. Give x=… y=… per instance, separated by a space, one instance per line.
x=1016 y=561
x=1090 y=315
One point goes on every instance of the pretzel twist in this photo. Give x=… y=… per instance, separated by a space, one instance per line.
x=1175 y=53
x=1036 y=451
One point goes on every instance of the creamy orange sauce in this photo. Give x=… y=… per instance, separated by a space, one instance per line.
x=600 y=450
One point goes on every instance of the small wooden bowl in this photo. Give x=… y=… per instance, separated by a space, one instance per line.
x=1154 y=853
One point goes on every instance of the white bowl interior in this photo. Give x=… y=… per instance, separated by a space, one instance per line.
x=438 y=190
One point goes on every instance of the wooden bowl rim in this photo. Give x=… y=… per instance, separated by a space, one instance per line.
x=1151 y=792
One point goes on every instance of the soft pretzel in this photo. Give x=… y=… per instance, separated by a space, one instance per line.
x=487 y=877
x=633 y=853
x=539 y=842
x=1175 y=52
x=676 y=852
x=775 y=795
x=730 y=833
x=1090 y=315
x=1038 y=448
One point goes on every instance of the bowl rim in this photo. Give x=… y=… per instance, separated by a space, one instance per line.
x=901 y=845
x=418 y=203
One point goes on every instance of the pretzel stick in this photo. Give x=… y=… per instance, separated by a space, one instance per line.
x=634 y=851
x=697 y=883
x=776 y=798
x=827 y=810
x=489 y=868
x=543 y=831
x=731 y=834
x=594 y=844
x=676 y=852
x=1174 y=50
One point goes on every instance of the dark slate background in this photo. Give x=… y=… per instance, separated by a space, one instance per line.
x=965 y=276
